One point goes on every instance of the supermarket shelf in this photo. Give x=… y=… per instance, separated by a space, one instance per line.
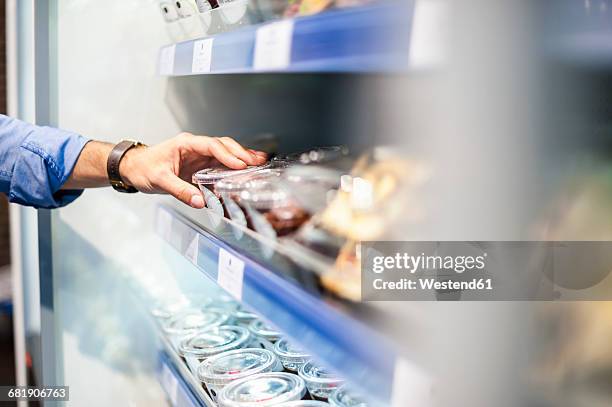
x=330 y=334
x=361 y=39
x=180 y=385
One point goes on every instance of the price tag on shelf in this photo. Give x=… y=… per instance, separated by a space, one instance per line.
x=202 y=56
x=273 y=46
x=170 y=384
x=166 y=60
x=230 y=273
x=193 y=249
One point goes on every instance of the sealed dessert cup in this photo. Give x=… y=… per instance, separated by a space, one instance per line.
x=312 y=186
x=320 y=382
x=187 y=323
x=211 y=342
x=342 y=397
x=243 y=317
x=220 y=370
x=164 y=310
x=304 y=403
x=263 y=389
x=317 y=155
x=291 y=357
x=208 y=177
x=262 y=331
x=274 y=202
x=222 y=302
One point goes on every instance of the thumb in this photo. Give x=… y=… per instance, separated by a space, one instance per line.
x=183 y=191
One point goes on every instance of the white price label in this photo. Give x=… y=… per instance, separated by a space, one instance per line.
x=193 y=249
x=230 y=273
x=202 y=56
x=170 y=383
x=273 y=46
x=166 y=60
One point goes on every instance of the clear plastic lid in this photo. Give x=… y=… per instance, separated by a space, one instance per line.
x=264 y=389
x=263 y=190
x=288 y=353
x=342 y=397
x=190 y=321
x=304 y=403
x=222 y=302
x=166 y=309
x=259 y=328
x=237 y=364
x=316 y=155
x=209 y=176
x=317 y=376
x=312 y=186
x=249 y=180
x=215 y=340
x=243 y=316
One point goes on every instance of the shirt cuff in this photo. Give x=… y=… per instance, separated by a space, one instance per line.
x=46 y=160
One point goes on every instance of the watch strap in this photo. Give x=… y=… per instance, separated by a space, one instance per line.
x=112 y=165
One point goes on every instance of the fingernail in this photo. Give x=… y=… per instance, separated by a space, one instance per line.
x=197 y=201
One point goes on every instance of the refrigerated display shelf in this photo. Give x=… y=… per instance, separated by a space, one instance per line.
x=346 y=345
x=180 y=386
x=361 y=39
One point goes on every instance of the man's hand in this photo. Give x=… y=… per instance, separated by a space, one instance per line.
x=163 y=168
x=168 y=167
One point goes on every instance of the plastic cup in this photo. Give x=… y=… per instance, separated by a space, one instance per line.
x=320 y=382
x=264 y=389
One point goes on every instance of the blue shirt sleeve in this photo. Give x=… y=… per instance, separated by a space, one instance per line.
x=36 y=161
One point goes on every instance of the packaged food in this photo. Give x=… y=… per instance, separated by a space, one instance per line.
x=317 y=155
x=264 y=389
x=269 y=198
x=211 y=342
x=320 y=382
x=164 y=310
x=222 y=302
x=208 y=177
x=261 y=330
x=342 y=397
x=312 y=186
x=291 y=357
x=171 y=17
x=243 y=317
x=188 y=18
x=220 y=370
x=188 y=322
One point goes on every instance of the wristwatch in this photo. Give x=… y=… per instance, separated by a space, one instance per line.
x=112 y=165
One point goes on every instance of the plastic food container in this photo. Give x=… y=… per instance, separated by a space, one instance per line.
x=264 y=389
x=319 y=381
x=163 y=311
x=291 y=357
x=343 y=398
x=243 y=317
x=187 y=323
x=313 y=186
x=268 y=197
x=223 y=302
x=213 y=341
x=207 y=178
x=304 y=403
x=220 y=370
x=315 y=156
x=262 y=331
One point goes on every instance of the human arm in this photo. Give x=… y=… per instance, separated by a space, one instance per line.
x=163 y=168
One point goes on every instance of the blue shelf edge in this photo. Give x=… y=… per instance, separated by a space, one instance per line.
x=364 y=39
x=346 y=345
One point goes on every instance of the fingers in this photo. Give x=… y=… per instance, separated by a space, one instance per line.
x=212 y=147
x=245 y=155
x=225 y=150
x=181 y=190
